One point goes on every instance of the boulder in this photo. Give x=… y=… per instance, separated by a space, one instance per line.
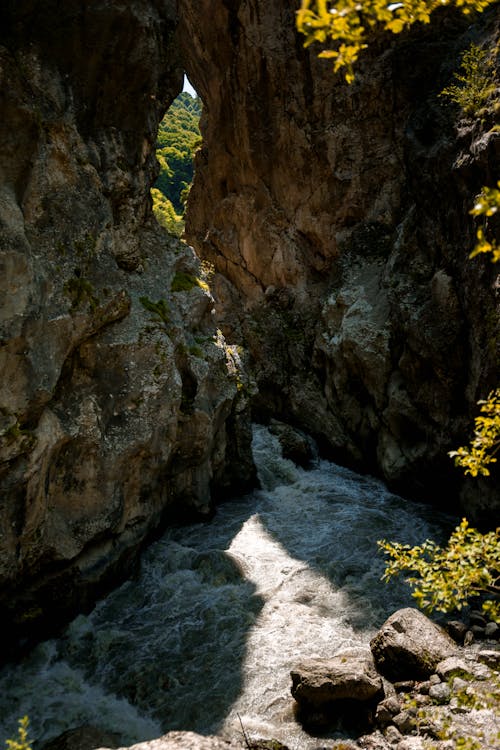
x=409 y=646
x=295 y=445
x=86 y=737
x=349 y=675
x=189 y=741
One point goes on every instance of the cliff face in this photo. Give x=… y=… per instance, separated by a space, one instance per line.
x=117 y=408
x=337 y=219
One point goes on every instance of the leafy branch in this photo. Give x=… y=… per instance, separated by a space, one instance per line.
x=446 y=578
x=348 y=23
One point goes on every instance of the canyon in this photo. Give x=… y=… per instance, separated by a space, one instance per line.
x=343 y=300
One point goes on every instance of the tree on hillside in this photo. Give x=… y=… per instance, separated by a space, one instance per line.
x=178 y=138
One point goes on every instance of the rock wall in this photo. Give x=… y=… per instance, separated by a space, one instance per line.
x=337 y=219
x=118 y=397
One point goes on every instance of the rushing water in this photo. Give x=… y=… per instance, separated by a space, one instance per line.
x=222 y=611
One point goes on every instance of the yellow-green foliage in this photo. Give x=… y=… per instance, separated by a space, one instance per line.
x=184 y=282
x=165 y=214
x=22 y=742
x=474 y=459
x=487 y=204
x=178 y=139
x=347 y=23
x=445 y=578
x=475 y=84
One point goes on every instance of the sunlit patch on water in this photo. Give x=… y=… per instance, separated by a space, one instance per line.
x=222 y=611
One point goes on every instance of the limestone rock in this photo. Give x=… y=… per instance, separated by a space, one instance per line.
x=340 y=236
x=440 y=693
x=349 y=675
x=409 y=645
x=113 y=417
x=188 y=741
x=459 y=665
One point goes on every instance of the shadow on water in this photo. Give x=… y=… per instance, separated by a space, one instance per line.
x=222 y=611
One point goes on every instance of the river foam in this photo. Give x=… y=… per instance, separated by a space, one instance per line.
x=207 y=634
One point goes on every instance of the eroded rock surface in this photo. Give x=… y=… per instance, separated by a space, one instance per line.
x=349 y=675
x=337 y=219
x=409 y=646
x=117 y=408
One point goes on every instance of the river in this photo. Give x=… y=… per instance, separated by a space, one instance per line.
x=206 y=635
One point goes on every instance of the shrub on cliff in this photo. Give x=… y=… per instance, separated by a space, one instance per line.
x=22 y=741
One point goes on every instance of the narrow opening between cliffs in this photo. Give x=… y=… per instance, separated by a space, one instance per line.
x=178 y=139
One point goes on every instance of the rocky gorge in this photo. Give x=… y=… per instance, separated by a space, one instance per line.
x=343 y=301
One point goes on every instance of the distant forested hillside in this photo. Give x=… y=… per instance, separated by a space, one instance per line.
x=178 y=139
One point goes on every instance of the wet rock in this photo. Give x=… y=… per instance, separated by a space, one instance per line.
x=83 y=738
x=295 y=444
x=409 y=645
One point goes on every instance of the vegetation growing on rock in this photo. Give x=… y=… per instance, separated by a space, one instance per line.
x=348 y=23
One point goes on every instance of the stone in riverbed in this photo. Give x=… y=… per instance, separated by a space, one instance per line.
x=409 y=646
x=349 y=675
x=188 y=741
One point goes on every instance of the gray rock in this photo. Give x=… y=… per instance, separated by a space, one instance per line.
x=423 y=687
x=458 y=685
x=349 y=675
x=459 y=666
x=404 y=721
x=440 y=693
x=492 y=631
x=295 y=444
x=477 y=618
x=411 y=743
x=383 y=716
x=457 y=630
x=391 y=704
x=468 y=638
x=478 y=632
x=489 y=657
x=189 y=741
x=393 y=735
x=409 y=645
